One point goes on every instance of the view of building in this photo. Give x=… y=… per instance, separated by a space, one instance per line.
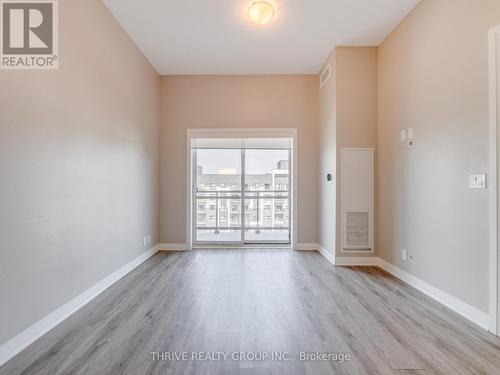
x=266 y=201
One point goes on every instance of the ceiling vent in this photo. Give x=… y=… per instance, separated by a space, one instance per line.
x=325 y=76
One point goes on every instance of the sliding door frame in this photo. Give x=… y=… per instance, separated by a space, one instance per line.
x=243 y=226
x=243 y=192
x=494 y=265
x=290 y=133
x=194 y=212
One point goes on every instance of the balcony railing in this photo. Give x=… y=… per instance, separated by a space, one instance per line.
x=257 y=223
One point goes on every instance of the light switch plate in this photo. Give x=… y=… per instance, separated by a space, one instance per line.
x=477 y=181
x=404 y=255
x=403 y=135
x=410 y=134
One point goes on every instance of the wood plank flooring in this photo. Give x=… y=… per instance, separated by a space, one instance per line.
x=259 y=302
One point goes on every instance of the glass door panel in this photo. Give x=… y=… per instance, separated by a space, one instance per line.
x=217 y=206
x=224 y=211
x=266 y=196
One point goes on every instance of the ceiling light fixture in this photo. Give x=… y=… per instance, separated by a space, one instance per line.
x=260 y=12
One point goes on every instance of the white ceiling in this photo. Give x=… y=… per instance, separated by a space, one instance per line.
x=215 y=36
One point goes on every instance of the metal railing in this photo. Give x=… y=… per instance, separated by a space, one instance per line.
x=247 y=195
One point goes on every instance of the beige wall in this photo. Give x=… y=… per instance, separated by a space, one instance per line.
x=356 y=80
x=347 y=118
x=78 y=166
x=433 y=77
x=79 y=151
x=235 y=102
x=327 y=159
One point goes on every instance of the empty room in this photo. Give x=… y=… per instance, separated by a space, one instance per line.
x=249 y=187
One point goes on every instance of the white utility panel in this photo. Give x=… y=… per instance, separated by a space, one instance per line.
x=356 y=192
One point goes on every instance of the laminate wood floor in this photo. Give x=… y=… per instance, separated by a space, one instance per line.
x=258 y=303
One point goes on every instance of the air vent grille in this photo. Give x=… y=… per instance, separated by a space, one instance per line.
x=357 y=235
x=325 y=76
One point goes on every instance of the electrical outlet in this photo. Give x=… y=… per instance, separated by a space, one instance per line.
x=411 y=256
x=404 y=255
x=477 y=181
x=149 y=239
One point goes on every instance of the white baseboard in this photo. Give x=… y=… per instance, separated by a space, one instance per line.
x=328 y=256
x=337 y=261
x=173 y=247
x=306 y=246
x=462 y=308
x=37 y=330
x=316 y=247
x=467 y=311
x=356 y=261
x=470 y=312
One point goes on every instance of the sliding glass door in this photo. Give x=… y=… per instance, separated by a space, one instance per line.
x=241 y=196
x=218 y=198
x=266 y=196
